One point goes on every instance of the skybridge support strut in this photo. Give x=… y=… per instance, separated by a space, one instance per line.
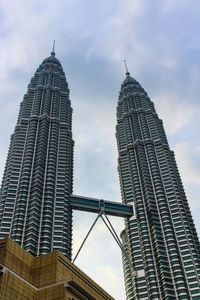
x=100 y=213
x=114 y=234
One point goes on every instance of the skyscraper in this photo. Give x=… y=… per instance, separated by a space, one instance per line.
x=160 y=238
x=34 y=200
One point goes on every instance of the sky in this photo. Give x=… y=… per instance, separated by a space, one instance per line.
x=160 y=41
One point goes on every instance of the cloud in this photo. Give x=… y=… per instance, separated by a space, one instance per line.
x=173 y=112
x=188 y=157
x=111 y=274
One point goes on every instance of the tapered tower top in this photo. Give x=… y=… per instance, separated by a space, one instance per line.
x=128 y=79
x=52 y=58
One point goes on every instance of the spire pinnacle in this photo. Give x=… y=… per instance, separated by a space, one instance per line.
x=53 y=50
x=127 y=72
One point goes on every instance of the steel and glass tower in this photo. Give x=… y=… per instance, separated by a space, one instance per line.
x=34 y=199
x=160 y=237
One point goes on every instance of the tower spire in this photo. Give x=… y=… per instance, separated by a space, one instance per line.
x=127 y=72
x=53 y=50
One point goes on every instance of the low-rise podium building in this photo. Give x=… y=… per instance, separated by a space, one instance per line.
x=48 y=277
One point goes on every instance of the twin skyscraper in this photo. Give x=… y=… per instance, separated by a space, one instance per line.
x=35 y=198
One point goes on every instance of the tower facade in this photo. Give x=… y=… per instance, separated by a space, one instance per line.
x=160 y=237
x=34 y=199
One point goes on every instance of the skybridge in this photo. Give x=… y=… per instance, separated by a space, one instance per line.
x=96 y=205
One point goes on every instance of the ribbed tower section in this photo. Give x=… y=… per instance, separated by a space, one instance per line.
x=160 y=238
x=37 y=181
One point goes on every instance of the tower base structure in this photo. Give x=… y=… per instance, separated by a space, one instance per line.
x=48 y=277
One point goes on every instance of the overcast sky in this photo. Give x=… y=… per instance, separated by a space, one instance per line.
x=161 y=42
